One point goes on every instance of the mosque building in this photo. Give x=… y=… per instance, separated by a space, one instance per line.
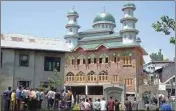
x=101 y=57
x=91 y=62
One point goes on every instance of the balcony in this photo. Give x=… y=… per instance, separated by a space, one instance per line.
x=92 y=79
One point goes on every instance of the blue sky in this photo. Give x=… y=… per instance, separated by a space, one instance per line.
x=48 y=19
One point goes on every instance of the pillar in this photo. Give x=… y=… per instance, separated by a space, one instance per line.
x=86 y=90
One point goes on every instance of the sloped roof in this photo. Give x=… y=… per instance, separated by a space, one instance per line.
x=21 y=41
x=110 y=36
x=108 y=45
x=95 y=30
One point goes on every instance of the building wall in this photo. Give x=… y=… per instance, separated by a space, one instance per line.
x=34 y=72
x=111 y=67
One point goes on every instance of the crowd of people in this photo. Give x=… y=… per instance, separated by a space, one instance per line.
x=110 y=105
x=129 y=105
x=25 y=99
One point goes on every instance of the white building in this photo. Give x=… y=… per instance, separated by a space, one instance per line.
x=29 y=61
x=151 y=67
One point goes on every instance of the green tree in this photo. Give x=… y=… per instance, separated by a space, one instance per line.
x=158 y=56
x=54 y=81
x=165 y=25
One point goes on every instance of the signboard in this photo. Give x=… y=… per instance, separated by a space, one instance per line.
x=162 y=87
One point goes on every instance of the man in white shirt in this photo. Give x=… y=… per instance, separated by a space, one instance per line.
x=96 y=105
x=42 y=94
x=103 y=105
x=87 y=106
x=50 y=96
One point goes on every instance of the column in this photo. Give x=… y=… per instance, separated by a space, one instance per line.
x=86 y=90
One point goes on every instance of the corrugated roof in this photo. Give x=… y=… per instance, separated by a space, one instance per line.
x=96 y=30
x=21 y=41
x=108 y=45
x=110 y=36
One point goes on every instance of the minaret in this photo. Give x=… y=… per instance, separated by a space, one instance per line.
x=129 y=32
x=72 y=27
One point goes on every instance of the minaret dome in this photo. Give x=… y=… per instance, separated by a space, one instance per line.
x=104 y=20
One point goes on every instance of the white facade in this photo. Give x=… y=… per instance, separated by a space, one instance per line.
x=72 y=29
x=128 y=23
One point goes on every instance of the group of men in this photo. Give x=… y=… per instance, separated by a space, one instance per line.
x=31 y=99
x=23 y=98
x=110 y=105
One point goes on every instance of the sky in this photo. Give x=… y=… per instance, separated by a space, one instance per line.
x=48 y=19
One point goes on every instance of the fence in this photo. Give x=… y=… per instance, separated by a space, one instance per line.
x=2 y=102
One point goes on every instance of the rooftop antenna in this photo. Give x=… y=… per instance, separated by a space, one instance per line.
x=73 y=7
x=104 y=8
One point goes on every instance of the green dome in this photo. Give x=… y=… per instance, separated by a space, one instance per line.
x=104 y=16
x=129 y=5
x=72 y=12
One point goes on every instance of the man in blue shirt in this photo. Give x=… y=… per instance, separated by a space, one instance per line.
x=7 y=97
x=165 y=106
x=18 y=98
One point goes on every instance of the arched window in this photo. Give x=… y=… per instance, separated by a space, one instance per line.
x=92 y=59
x=81 y=60
x=91 y=76
x=70 y=29
x=103 y=76
x=80 y=77
x=74 y=19
x=127 y=59
x=106 y=26
x=70 y=60
x=130 y=37
x=114 y=58
x=70 y=77
x=103 y=58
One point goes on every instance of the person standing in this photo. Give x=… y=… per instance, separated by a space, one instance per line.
x=50 y=96
x=110 y=104
x=57 y=98
x=42 y=97
x=96 y=105
x=13 y=100
x=135 y=104
x=90 y=102
x=153 y=106
x=81 y=104
x=87 y=106
x=165 y=106
x=103 y=105
x=7 y=95
x=25 y=95
x=117 y=104
x=128 y=105
x=18 y=98
x=38 y=97
x=33 y=99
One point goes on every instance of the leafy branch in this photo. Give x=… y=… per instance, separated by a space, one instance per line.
x=165 y=25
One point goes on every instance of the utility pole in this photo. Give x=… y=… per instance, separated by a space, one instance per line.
x=175 y=61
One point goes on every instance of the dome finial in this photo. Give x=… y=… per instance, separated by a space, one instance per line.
x=73 y=7
x=104 y=8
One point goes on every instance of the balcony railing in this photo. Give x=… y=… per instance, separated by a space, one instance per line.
x=92 y=78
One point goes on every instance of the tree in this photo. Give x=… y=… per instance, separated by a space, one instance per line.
x=165 y=25
x=54 y=81
x=157 y=56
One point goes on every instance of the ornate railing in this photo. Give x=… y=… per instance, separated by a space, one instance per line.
x=92 y=78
